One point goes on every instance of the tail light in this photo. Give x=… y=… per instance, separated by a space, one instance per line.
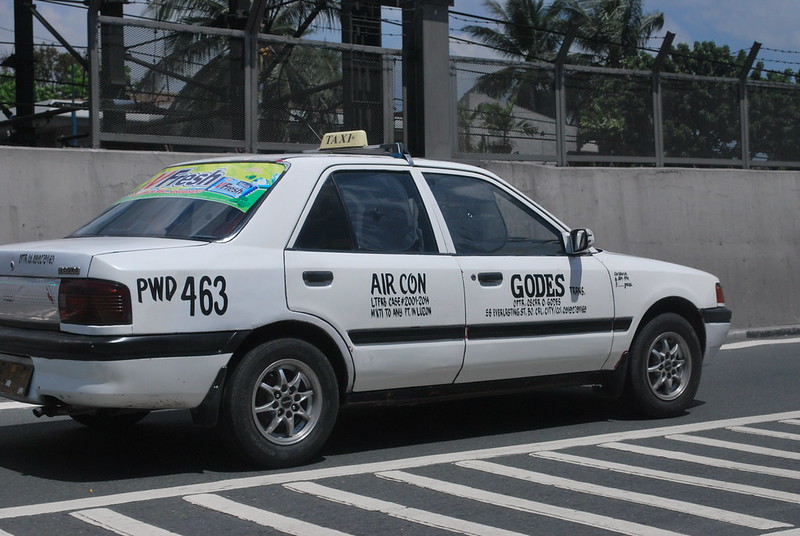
x=94 y=302
x=720 y=295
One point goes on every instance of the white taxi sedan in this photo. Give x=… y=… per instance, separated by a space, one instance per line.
x=263 y=292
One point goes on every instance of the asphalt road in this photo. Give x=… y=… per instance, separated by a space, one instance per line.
x=551 y=462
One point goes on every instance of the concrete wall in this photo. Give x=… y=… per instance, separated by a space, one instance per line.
x=741 y=225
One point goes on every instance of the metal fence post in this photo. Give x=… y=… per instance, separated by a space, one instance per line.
x=387 y=73
x=658 y=104
x=250 y=66
x=94 y=73
x=743 y=104
x=561 y=98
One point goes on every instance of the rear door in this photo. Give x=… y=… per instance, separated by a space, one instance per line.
x=367 y=260
x=531 y=310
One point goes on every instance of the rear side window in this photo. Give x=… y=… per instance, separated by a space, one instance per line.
x=484 y=219
x=368 y=211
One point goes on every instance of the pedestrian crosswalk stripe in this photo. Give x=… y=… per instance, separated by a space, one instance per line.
x=524 y=505
x=399 y=511
x=672 y=476
x=730 y=445
x=654 y=501
x=265 y=518
x=766 y=433
x=118 y=523
x=704 y=460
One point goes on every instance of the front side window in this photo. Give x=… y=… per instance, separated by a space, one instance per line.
x=195 y=202
x=368 y=211
x=484 y=219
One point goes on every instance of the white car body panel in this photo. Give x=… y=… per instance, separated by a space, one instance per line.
x=254 y=280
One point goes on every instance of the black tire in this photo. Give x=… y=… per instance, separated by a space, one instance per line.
x=108 y=419
x=664 y=368
x=280 y=403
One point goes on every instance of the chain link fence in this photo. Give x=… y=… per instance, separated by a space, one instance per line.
x=164 y=85
x=575 y=115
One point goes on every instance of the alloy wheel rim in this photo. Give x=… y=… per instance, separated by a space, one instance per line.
x=286 y=402
x=669 y=366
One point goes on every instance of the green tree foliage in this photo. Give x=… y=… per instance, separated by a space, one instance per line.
x=702 y=118
x=502 y=125
x=773 y=112
x=613 y=114
x=57 y=75
x=297 y=84
x=610 y=31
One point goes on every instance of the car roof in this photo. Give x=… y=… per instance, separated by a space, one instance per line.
x=331 y=158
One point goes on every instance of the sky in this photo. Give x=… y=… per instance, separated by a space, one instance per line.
x=736 y=23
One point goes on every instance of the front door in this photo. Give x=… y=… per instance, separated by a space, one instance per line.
x=531 y=310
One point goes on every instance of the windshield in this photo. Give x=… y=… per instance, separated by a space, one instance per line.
x=196 y=202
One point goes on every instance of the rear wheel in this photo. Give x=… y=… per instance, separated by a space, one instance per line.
x=280 y=404
x=665 y=365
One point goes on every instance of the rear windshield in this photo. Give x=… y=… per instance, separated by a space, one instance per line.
x=195 y=202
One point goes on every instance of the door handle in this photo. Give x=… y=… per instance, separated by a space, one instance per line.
x=318 y=279
x=490 y=279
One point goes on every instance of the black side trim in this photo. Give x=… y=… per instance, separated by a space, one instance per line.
x=417 y=334
x=69 y=346
x=716 y=315
x=473 y=389
x=543 y=329
x=487 y=331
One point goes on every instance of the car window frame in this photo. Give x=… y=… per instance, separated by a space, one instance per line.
x=558 y=227
x=425 y=197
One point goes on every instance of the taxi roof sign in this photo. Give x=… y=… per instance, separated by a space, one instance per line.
x=343 y=140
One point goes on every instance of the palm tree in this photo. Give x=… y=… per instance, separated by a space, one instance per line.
x=295 y=85
x=527 y=31
x=611 y=31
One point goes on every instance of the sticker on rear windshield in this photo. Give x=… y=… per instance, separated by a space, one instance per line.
x=236 y=184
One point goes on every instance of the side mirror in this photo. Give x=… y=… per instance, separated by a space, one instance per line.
x=579 y=241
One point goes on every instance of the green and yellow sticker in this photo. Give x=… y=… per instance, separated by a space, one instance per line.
x=238 y=184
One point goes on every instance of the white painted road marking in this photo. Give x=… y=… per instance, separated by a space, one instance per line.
x=765 y=433
x=722 y=485
x=524 y=505
x=759 y=342
x=265 y=518
x=653 y=501
x=704 y=460
x=730 y=445
x=376 y=467
x=119 y=524
x=414 y=515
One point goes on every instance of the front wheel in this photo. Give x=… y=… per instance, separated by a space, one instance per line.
x=280 y=404
x=664 y=369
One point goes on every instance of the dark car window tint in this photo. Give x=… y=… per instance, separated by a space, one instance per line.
x=486 y=220
x=194 y=219
x=368 y=211
x=327 y=227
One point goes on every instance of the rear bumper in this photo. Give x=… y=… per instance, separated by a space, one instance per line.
x=144 y=372
x=718 y=322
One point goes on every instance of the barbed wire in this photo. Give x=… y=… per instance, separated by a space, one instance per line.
x=459 y=16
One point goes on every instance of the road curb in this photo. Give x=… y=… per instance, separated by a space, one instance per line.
x=763 y=333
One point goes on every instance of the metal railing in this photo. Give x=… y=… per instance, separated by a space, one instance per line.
x=165 y=85
x=198 y=88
